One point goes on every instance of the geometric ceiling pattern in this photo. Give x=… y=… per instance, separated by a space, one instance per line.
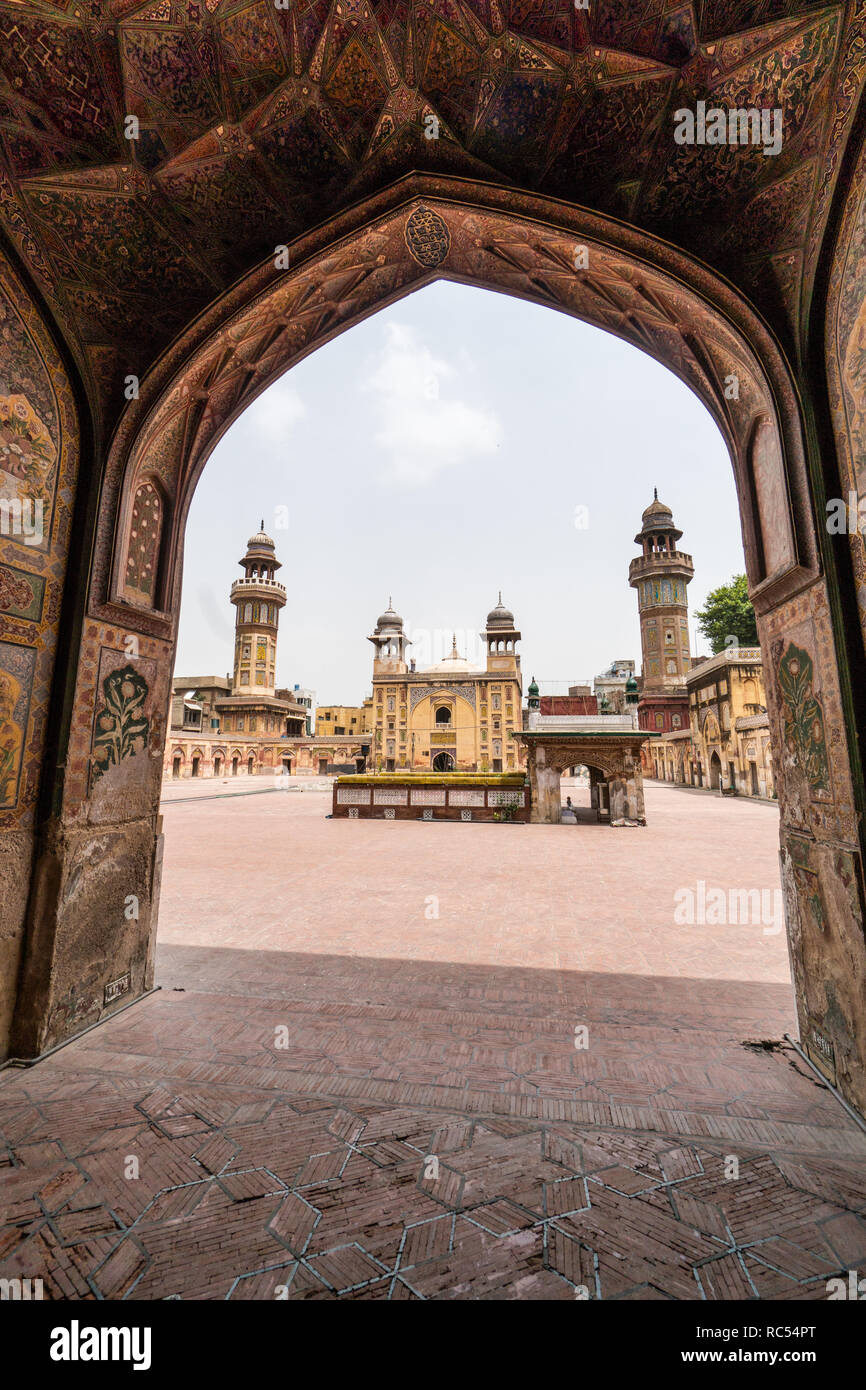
x=255 y=123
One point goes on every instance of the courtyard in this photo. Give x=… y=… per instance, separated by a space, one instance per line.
x=433 y=1060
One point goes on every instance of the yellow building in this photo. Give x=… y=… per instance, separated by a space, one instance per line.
x=727 y=743
x=452 y=716
x=339 y=719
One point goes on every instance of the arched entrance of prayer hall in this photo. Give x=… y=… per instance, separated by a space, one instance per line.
x=98 y=843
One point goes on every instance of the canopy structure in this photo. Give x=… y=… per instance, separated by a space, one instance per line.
x=608 y=746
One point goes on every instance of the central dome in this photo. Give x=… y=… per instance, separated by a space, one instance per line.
x=452 y=665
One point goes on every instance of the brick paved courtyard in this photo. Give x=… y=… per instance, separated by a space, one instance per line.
x=359 y=1077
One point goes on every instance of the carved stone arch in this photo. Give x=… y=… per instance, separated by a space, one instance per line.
x=606 y=770
x=636 y=287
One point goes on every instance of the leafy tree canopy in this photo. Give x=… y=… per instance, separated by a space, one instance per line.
x=728 y=614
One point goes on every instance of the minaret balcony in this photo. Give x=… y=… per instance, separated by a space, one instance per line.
x=259 y=588
x=660 y=560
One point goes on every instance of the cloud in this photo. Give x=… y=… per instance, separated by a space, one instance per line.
x=422 y=432
x=272 y=416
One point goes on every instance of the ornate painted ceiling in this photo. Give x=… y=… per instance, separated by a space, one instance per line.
x=258 y=122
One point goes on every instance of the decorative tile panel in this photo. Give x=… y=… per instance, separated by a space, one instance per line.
x=21 y=593
x=428 y=796
x=353 y=796
x=390 y=796
x=465 y=796
x=422 y=692
x=507 y=797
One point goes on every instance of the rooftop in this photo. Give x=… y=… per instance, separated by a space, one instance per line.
x=731 y=656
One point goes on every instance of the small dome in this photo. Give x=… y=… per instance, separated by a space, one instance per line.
x=389 y=618
x=500 y=616
x=657 y=518
x=533 y=687
x=259 y=539
x=631 y=683
x=656 y=509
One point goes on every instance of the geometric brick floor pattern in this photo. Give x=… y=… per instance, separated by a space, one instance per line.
x=305 y=1170
x=302 y=1172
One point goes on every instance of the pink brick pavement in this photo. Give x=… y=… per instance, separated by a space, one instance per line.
x=409 y=1037
x=566 y=897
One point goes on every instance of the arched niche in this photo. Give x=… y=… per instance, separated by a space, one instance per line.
x=770 y=548
x=142 y=530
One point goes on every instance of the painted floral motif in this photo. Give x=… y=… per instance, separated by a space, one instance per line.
x=855 y=371
x=804 y=717
x=26 y=451
x=11 y=738
x=15 y=590
x=121 y=728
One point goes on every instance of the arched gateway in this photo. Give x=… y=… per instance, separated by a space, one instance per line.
x=118 y=426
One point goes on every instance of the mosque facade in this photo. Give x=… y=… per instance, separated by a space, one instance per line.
x=452 y=716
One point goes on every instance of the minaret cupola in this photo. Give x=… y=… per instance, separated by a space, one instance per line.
x=501 y=636
x=390 y=643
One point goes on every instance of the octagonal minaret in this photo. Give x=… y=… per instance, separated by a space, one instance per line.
x=661 y=575
x=258 y=598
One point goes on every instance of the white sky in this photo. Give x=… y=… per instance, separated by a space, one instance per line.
x=437 y=452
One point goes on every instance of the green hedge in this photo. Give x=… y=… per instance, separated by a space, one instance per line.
x=433 y=779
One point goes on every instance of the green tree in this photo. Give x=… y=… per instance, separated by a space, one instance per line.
x=728 y=613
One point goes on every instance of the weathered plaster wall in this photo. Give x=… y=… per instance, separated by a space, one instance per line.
x=38 y=471
x=545 y=786
x=821 y=864
x=846 y=370
x=822 y=834
x=95 y=890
